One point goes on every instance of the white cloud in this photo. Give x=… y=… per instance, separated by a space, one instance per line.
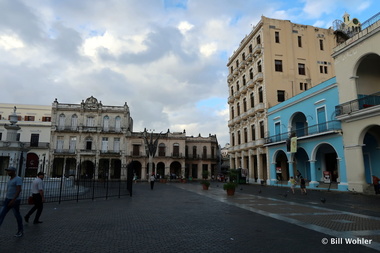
x=10 y=42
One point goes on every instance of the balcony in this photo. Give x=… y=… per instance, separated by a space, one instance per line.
x=333 y=126
x=39 y=145
x=137 y=154
x=258 y=77
x=230 y=77
x=250 y=58
x=64 y=152
x=358 y=104
x=250 y=83
x=257 y=50
x=87 y=152
x=259 y=107
x=242 y=65
x=66 y=128
x=110 y=153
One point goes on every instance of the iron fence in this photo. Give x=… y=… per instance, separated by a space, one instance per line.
x=70 y=189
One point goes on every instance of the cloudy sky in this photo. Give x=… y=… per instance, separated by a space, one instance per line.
x=165 y=58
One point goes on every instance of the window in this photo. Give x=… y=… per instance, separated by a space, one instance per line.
x=239 y=139
x=262 y=129
x=301 y=86
x=116 y=144
x=60 y=143
x=74 y=122
x=280 y=95
x=61 y=122
x=243 y=56
x=136 y=150
x=72 y=144
x=161 y=149
x=320 y=69
x=232 y=69
x=253 y=132
x=277 y=37
x=117 y=124
x=261 y=97
x=250 y=48
x=301 y=69
x=244 y=104
x=237 y=63
x=104 y=144
x=194 y=152
x=325 y=69
x=244 y=81
x=321 y=45
x=278 y=65
x=299 y=41
x=212 y=152
x=204 y=155
x=252 y=97
x=238 y=109
x=305 y=86
x=251 y=74
x=232 y=90
x=34 y=138
x=259 y=68
x=46 y=119
x=233 y=139
x=245 y=135
x=88 y=144
x=258 y=40
x=176 y=149
x=1 y=135
x=90 y=122
x=29 y=118
x=106 y=121
x=232 y=112
x=237 y=86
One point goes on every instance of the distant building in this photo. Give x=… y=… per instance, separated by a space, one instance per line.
x=92 y=140
x=33 y=135
x=277 y=60
x=357 y=71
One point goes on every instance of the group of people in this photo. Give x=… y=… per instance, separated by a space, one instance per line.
x=13 y=200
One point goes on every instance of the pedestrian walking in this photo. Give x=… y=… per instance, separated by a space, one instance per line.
x=12 y=200
x=375 y=181
x=38 y=198
x=292 y=183
x=303 y=186
x=152 y=179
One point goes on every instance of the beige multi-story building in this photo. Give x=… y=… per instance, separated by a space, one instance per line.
x=33 y=135
x=275 y=61
x=177 y=155
x=357 y=62
x=91 y=140
x=88 y=139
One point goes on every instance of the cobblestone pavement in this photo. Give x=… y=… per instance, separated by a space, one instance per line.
x=178 y=217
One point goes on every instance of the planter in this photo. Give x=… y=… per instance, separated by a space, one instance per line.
x=230 y=192
x=205 y=187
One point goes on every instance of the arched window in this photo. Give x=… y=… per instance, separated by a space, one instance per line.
x=194 y=152
x=74 y=122
x=61 y=122
x=106 y=120
x=117 y=124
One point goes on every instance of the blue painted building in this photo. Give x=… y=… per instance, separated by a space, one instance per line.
x=306 y=139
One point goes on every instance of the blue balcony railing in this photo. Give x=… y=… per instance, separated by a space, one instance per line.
x=358 y=104
x=329 y=126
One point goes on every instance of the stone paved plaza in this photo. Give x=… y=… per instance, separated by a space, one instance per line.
x=178 y=217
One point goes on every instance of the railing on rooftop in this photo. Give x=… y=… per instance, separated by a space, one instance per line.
x=325 y=127
x=358 y=104
x=370 y=21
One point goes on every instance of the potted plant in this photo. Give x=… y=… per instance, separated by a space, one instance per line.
x=205 y=174
x=205 y=184
x=230 y=188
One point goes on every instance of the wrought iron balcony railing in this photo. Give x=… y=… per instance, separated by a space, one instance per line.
x=358 y=104
x=329 y=126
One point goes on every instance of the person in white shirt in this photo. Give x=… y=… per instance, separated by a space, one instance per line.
x=38 y=198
